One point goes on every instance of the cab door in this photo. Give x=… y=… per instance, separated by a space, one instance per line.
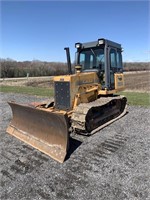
x=115 y=63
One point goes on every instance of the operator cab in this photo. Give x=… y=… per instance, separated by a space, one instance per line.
x=101 y=56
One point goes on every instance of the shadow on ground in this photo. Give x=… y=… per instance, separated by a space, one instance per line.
x=73 y=145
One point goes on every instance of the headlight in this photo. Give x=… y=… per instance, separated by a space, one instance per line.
x=78 y=45
x=101 y=41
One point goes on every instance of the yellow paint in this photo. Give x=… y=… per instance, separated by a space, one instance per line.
x=119 y=81
x=85 y=87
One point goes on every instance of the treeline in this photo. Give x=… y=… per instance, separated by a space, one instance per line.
x=10 y=68
x=136 y=66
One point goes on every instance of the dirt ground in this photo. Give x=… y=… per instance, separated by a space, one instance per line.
x=138 y=81
x=112 y=164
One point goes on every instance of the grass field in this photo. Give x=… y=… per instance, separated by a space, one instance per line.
x=137 y=87
x=47 y=92
x=137 y=98
x=134 y=98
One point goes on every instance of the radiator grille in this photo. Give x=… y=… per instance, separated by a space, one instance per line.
x=62 y=95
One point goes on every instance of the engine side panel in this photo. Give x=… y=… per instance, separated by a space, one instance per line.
x=67 y=87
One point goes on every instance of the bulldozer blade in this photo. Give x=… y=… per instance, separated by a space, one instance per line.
x=45 y=130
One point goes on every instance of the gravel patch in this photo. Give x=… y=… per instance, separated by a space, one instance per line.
x=112 y=164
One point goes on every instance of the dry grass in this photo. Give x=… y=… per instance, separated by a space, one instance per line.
x=138 y=81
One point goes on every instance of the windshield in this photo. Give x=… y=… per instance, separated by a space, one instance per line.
x=92 y=58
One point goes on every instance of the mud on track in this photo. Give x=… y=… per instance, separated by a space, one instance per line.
x=113 y=164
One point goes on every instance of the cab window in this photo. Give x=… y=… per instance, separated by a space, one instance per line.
x=92 y=58
x=115 y=59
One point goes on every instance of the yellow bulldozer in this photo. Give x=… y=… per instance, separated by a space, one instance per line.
x=84 y=100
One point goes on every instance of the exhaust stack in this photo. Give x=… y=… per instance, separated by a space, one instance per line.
x=68 y=59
